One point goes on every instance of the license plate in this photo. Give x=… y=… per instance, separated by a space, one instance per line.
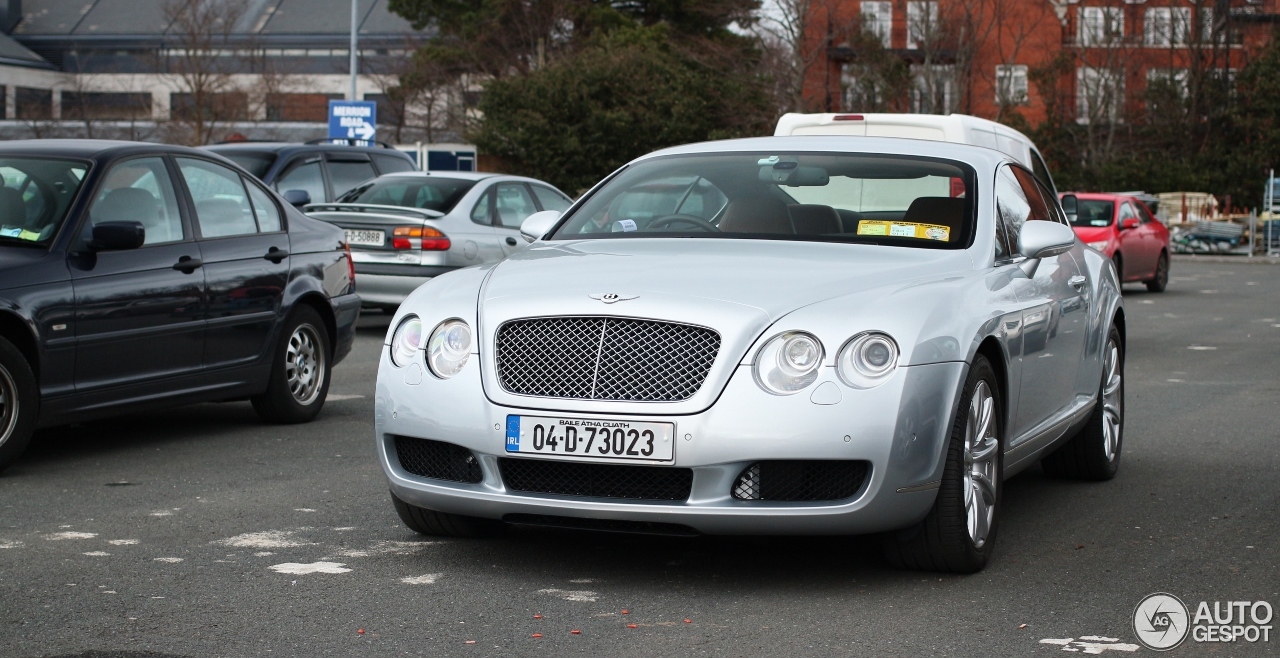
x=368 y=238
x=599 y=440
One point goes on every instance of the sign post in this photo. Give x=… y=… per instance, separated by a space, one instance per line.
x=353 y=120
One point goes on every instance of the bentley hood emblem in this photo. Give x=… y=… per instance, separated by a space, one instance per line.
x=611 y=297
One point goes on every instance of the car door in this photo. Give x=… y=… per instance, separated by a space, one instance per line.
x=304 y=173
x=246 y=260
x=139 y=313
x=1133 y=247
x=512 y=203
x=1053 y=314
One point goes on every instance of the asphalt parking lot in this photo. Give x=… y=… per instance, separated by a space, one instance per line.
x=201 y=532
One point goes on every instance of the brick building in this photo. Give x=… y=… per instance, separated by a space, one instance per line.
x=1089 y=60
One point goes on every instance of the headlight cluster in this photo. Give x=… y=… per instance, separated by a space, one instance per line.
x=1100 y=246
x=791 y=361
x=447 y=349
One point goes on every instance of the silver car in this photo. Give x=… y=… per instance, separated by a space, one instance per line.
x=406 y=228
x=785 y=335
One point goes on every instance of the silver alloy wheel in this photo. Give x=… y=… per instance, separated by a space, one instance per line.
x=8 y=405
x=981 y=457
x=1112 y=402
x=304 y=364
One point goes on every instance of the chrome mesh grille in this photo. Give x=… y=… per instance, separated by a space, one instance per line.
x=603 y=358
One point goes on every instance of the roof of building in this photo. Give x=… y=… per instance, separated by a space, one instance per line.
x=16 y=54
x=51 y=18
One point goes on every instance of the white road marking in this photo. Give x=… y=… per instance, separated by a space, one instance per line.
x=265 y=539
x=425 y=579
x=263 y=553
x=1176 y=381
x=339 y=397
x=122 y=542
x=1208 y=292
x=1201 y=348
x=97 y=553
x=10 y=544
x=170 y=560
x=583 y=581
x=162 y=513
x=297 y=568
x=59 y=536
x=345 y=528
x=387 y=548
x=303 y=509
x=110 y=591
x=581 y=596
x=1091 y=644
x=1148 y=301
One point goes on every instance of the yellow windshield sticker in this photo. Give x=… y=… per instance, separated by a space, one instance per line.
x=904 y=230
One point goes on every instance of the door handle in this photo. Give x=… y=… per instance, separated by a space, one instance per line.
x=276 y=254
x=187 y=264
x=1077 y=282
x=511 y=241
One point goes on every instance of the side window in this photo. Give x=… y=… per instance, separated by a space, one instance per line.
x=344 y=175
x=222 y=206
x=389 y=164
x=551 y=199
x=140 y=190
x=1041 y=171
x=1012 y=211
x=513 y=203
x=264 y=208
x=1039 y=205
x=1144 y=214
x=482 y=213
x=306 y=177
x=20 y=190
x=1127 y=212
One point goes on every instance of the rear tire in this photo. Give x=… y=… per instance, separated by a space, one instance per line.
x=959 y=533
x=1094 y=453
x=1118 y=261
x=19 y=403
x=1161 y=279
x=299 y=381
x=440 y=524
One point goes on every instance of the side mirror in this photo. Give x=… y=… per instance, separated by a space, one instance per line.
x=1041 y=239
x=1071 y=207
x=1128 y=223
x=297 y=198
x=118 y=236
x=536 y=225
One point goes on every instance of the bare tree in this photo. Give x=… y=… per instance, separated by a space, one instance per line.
x=207 y=94
x=787 y=32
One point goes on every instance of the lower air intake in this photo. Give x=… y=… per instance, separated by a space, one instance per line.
x=807 y=480
x=438 y=460
x=596 y=480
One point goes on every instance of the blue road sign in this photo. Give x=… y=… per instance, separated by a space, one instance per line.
x=353 y=120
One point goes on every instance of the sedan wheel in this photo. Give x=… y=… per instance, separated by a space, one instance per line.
x=304 y=364
x=299 y=379
x=1161 y=279
x=18 y=403
x=959 y=532
x=1094 y=453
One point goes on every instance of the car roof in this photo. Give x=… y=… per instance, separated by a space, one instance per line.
x=294 y=147
x=88 y=148
x=457 y=175
x=968 y=153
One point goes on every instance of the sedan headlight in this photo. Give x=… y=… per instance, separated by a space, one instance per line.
x=1100 y=246
x=788 y=363
x=867 y=360
x=406 y=341
x=449 y=348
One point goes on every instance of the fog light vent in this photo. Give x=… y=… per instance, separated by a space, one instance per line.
x=795 y=480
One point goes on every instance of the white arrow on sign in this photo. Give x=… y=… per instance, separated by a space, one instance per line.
x=364 y=131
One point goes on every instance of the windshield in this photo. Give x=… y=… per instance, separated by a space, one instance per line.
x=1094 y=213
x=34 y=197
x=440 y=194
x=893 y=200
x=254 y=163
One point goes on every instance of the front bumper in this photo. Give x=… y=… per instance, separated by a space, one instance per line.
x=900 y=428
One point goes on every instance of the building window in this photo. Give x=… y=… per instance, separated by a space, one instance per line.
x=922 y=23
x=1100 y=26
x=1174 y=80
x=932 y=89
x=228 y=106
x=877 y=18
x=1099 y=95
x=1167 y=26
x=299 y=107
x=32 y=103
x=1208 y=31
x=103 y=106
x=1011 y=84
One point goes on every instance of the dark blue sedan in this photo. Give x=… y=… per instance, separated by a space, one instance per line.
x=137 y=276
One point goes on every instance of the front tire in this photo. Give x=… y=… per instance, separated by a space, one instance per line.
x=299 y=380
x=1161 y=279
x=441 y=524
x=19 y=403
x=1094 y=453
x=959 y=533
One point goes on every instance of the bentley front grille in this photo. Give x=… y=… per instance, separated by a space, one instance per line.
x=604 y=358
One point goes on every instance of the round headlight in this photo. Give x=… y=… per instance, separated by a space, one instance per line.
x=788 y=363
x=406 y=341
x=448 y=348
x=867 y=360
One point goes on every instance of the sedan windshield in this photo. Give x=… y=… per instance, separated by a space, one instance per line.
x=440 y=194
x=892 y=200
x=1091 y=212
x=35 y=194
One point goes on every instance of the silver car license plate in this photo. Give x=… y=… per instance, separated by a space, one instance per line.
x=597 y=440
x=366 y=238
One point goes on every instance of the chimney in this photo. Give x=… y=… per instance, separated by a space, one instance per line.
x=10 y=15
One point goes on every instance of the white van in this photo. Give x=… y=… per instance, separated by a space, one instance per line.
x=957 y=128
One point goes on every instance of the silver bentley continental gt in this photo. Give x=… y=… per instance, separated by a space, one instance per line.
x=785 y=335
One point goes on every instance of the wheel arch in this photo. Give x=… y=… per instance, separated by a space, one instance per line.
x=991 y=349
x=16 y=330
x=321 y=305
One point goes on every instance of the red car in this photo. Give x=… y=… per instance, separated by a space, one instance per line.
x=1122 y=228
